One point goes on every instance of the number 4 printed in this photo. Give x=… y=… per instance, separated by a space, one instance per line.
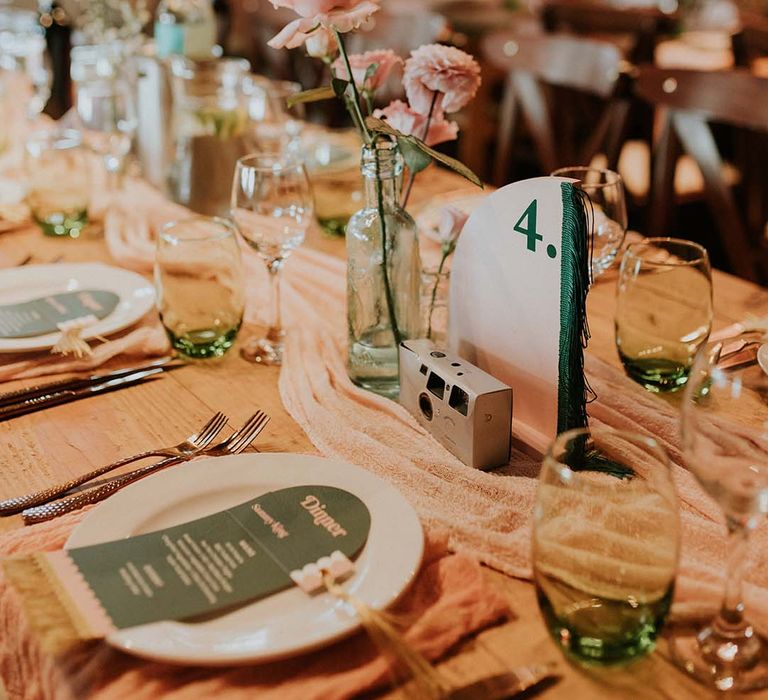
x=526 y=225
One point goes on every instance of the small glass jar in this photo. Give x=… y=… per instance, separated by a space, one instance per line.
x=59 y=181
x=185 y=27
x=211 y=130
x=200 y=285
x=383 y=275
x=23 y=52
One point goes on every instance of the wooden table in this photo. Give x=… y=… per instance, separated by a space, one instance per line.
x=83 y=435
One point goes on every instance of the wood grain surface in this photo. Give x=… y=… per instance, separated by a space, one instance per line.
x=42 y=448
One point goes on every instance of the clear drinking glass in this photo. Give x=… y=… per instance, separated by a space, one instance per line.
x=663 y=311
x=725 y=445
x=272 y=207
x=605 y=189
x=200 y=285
x=606 y=542
x=105 y=105
x=59 y=181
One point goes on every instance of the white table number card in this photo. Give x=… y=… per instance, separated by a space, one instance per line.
x=519 y=282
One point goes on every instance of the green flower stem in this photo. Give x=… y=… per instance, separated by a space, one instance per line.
x=354 y=106
x=434 y=292
x=368 y=101
x=412 y=175
x=384 y=260
x=357 y=115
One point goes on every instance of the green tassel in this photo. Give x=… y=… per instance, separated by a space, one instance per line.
x=573 y=390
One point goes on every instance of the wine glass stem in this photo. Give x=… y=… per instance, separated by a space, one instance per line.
x=114 y=167
x=731 y=616
x=275 y=329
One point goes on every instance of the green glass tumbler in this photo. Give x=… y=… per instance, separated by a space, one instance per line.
x=200 y=285
x=605 y=544
x=663 y=311
x=59 y=181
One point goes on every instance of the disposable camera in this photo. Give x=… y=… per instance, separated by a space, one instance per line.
x=465 y=408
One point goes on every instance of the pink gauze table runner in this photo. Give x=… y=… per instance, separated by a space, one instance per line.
x=484 y=515
x=487 y=514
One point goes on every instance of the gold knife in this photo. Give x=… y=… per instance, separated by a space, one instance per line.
x=57 y=398
x=14 y=397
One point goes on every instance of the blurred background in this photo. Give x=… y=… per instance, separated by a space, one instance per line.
x=670 y=93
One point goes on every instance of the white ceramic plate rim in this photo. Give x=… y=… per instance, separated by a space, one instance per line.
x=395 y=542
x=137 y=296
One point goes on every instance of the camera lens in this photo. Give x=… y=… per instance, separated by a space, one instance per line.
x=425 y=405
x=437 y=353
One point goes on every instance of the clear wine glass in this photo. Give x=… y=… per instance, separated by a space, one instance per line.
x=272 y=206
x=725 y=444
x=276 y=126
x=605 y=189
x=105 y=105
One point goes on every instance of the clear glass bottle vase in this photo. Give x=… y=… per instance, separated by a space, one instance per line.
x=383 y=274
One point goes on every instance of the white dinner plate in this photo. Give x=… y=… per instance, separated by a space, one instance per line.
x=281 y=625
x=27 y=282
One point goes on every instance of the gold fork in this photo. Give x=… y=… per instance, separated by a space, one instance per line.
x=234 y=444
x=185 y=449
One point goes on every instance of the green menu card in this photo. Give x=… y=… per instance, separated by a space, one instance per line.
x=197 y=568
x=42 y=316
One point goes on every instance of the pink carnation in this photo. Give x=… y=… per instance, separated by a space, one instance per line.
x=449 y=71
x=310 y=8
x=401 y=117
x=296 y=33
x=384 y=60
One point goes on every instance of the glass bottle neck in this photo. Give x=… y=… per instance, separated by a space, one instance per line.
x=382 y=168
x=390 y=192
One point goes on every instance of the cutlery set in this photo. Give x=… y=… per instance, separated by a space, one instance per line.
x=35 y=398
x=83 y=490
x=43 y=505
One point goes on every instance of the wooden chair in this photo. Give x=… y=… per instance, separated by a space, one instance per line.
x=534 y=64
x=686 y=103
x=750 y=43
x=635 y=30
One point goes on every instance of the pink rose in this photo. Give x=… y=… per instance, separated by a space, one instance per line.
x=384 y=60
x=452 y=222
x=449 y=71
x=296 y=33
x=401 y=117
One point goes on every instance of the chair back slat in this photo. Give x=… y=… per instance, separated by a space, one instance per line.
x=751 y=41
x=560 y=60
x=686 y=101
x=733 y=97
x=642 y=26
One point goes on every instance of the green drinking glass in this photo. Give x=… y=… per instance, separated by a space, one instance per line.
x=200 y=285
x=605 y=544
x=663 y=311
x=59 y=181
